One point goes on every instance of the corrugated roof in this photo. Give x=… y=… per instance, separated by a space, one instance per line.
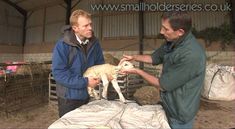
x=31 y=5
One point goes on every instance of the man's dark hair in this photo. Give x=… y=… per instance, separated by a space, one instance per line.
x=178 y=20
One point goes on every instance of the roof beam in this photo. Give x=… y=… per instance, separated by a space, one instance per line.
x=141 y=34
x=233 y=14
x=48 y=4
x=21 y=10
x=68 y=10
x=76 y=3
x=19 y=1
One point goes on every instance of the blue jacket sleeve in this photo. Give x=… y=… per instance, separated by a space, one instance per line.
x=61 y=71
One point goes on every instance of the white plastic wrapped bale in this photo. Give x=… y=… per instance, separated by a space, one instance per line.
x=113 y=114
x=219 y=83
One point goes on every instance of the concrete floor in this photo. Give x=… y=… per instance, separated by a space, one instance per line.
x=215 y=115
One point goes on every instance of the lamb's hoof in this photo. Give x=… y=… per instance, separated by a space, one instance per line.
x=129 y=101
x=102 y=97
x=97 y=97
x=124 y=101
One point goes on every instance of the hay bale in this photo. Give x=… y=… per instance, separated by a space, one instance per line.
x=23 y=70
x=30 y=69
x=46 y=67
x=36 y=68
x=147 y=95
x=110 y=59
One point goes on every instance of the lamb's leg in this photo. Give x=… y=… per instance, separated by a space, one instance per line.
x=92 y=93
x=117 y=88
x=105 y=81
x=95 y=94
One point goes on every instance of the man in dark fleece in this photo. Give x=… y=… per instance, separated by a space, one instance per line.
x=78 y=50
x=184 y=63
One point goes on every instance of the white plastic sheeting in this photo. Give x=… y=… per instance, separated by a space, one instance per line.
x=113 y=114
x=219 y=83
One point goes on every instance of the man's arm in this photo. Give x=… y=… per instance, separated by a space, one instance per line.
x=138 y=58
x=143 y=58
x=148 y=77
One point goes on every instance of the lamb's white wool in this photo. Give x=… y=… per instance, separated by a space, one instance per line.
x=107 y=72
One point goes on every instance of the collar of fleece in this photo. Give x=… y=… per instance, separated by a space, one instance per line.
x=69 y=37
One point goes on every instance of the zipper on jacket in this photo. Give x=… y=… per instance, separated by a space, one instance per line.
x=84 y=56
x=90 y=50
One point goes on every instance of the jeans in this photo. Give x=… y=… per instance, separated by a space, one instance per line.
x=67 y=105
x=175 y=124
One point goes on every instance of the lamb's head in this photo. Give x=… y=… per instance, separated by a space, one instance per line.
x=125 y=65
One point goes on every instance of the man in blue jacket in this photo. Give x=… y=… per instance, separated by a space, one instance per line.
x=78 y=50
x=183 y=73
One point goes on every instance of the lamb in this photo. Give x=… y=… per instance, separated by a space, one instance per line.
x=107 y=72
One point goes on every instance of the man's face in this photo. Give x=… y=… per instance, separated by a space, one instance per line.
x=168 y=32
x=83 y=28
